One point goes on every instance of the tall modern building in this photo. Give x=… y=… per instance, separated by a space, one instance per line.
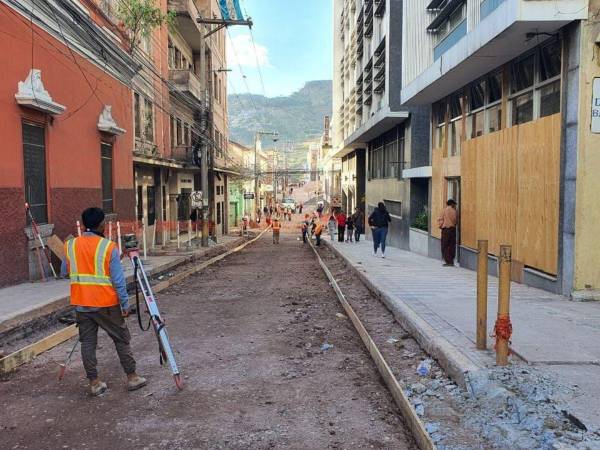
x=509 y=84
x=374 y=135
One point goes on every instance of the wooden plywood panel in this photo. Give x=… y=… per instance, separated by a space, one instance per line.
x=504 y=210
x=538 y=185
x=510 y=192
x=437 y=190
x=452 y=166
x=468 y=197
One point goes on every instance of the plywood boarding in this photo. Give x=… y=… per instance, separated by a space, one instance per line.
x=537 y=217
x=468 y=198
x=511 y=179
x=438 y=188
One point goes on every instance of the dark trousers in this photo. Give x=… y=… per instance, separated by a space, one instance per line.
x=349 y=234
x=379 y=236
x=341 y=232
x=318 y=237
x=110 y=320
x=357 y=234
x=304 y=236
x=449 y=244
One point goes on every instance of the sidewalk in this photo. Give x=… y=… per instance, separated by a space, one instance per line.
x=26 y=302
x=437 y=304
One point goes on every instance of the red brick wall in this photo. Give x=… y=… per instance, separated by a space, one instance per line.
x=13 y=254
x=67 y=204
x=124 y=203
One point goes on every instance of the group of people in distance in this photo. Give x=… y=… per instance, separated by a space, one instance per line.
x=349 y=228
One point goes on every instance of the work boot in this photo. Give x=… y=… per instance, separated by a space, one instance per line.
x=134 y=381
x=97 y=387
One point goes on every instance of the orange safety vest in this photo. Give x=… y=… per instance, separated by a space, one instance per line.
x=88 y=263
x=276 y=226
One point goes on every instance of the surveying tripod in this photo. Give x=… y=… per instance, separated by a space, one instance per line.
x=166 y=352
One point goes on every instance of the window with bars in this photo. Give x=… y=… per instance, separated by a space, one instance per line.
x=34 y=160
x=143 y=117
x=106 y=163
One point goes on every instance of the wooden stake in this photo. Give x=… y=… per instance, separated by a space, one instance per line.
x=119 y=237
x=78 y=229
x=144 y=240
x=110 y=230
x=482 y=292
x=504 y=270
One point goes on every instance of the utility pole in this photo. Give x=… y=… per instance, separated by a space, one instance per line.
x=220 y=24
x=204 y=146
x=275 y=135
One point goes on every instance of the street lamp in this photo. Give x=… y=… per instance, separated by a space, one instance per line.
x=275 y=135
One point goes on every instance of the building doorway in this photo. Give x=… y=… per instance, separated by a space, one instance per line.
x=454 y=194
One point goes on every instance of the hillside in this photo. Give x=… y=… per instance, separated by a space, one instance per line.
x=297 y=117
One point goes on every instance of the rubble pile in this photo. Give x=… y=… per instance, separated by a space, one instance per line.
x=514 y=407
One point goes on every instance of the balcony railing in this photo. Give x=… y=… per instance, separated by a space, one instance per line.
x=184 y=80
x=183 y=153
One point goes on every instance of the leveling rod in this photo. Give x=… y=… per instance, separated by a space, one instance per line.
x=166 y=352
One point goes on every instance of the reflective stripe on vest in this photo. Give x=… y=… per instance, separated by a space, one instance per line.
x=99 y=276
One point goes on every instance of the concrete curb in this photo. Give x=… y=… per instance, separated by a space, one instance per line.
x=456 y=364
x=61 y=306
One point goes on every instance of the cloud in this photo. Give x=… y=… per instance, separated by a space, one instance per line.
x=240 y=51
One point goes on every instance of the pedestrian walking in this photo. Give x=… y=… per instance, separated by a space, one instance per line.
x=379 y=221
x=331 y=226
x=341 y=222
x=358 y=218
x=305 y=225
x=99 y=294
x=318 y=232
x=300 y=208
x=265 y=210
x=276 y=230
x=349 y=229
x=447 y=223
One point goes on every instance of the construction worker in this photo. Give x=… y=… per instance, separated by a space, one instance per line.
x=99 y=294
x=318 y=232
x=276 y=230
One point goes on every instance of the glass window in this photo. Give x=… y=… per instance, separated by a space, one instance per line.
x=149 y=125
x=550 y=61
x=494 y=85
x=476 y=124
x=522 y=74
x=494 y=118
x=455 y=106
x=106 y=164
x=522 y=108
x=179 y=133
x=172 y=130
x=550 y=99
x=391 y=159
x=34 y=159
x=454 y=137
x=137 y=115
x=477 y=95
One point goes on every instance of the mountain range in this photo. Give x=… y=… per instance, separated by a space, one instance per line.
x=297 y=117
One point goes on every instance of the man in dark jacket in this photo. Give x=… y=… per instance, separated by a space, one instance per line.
x=359 y=223
x=379 y=221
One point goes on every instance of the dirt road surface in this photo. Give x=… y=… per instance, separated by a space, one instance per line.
x=248 y=334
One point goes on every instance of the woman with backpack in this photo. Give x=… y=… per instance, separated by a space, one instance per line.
x=379 y=221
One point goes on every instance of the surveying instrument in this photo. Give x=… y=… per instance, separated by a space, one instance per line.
x=130 y=248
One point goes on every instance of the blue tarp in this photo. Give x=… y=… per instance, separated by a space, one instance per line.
x=224 y=10
x=238 y=10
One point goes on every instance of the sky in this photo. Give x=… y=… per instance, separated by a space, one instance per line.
x=293 y=41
